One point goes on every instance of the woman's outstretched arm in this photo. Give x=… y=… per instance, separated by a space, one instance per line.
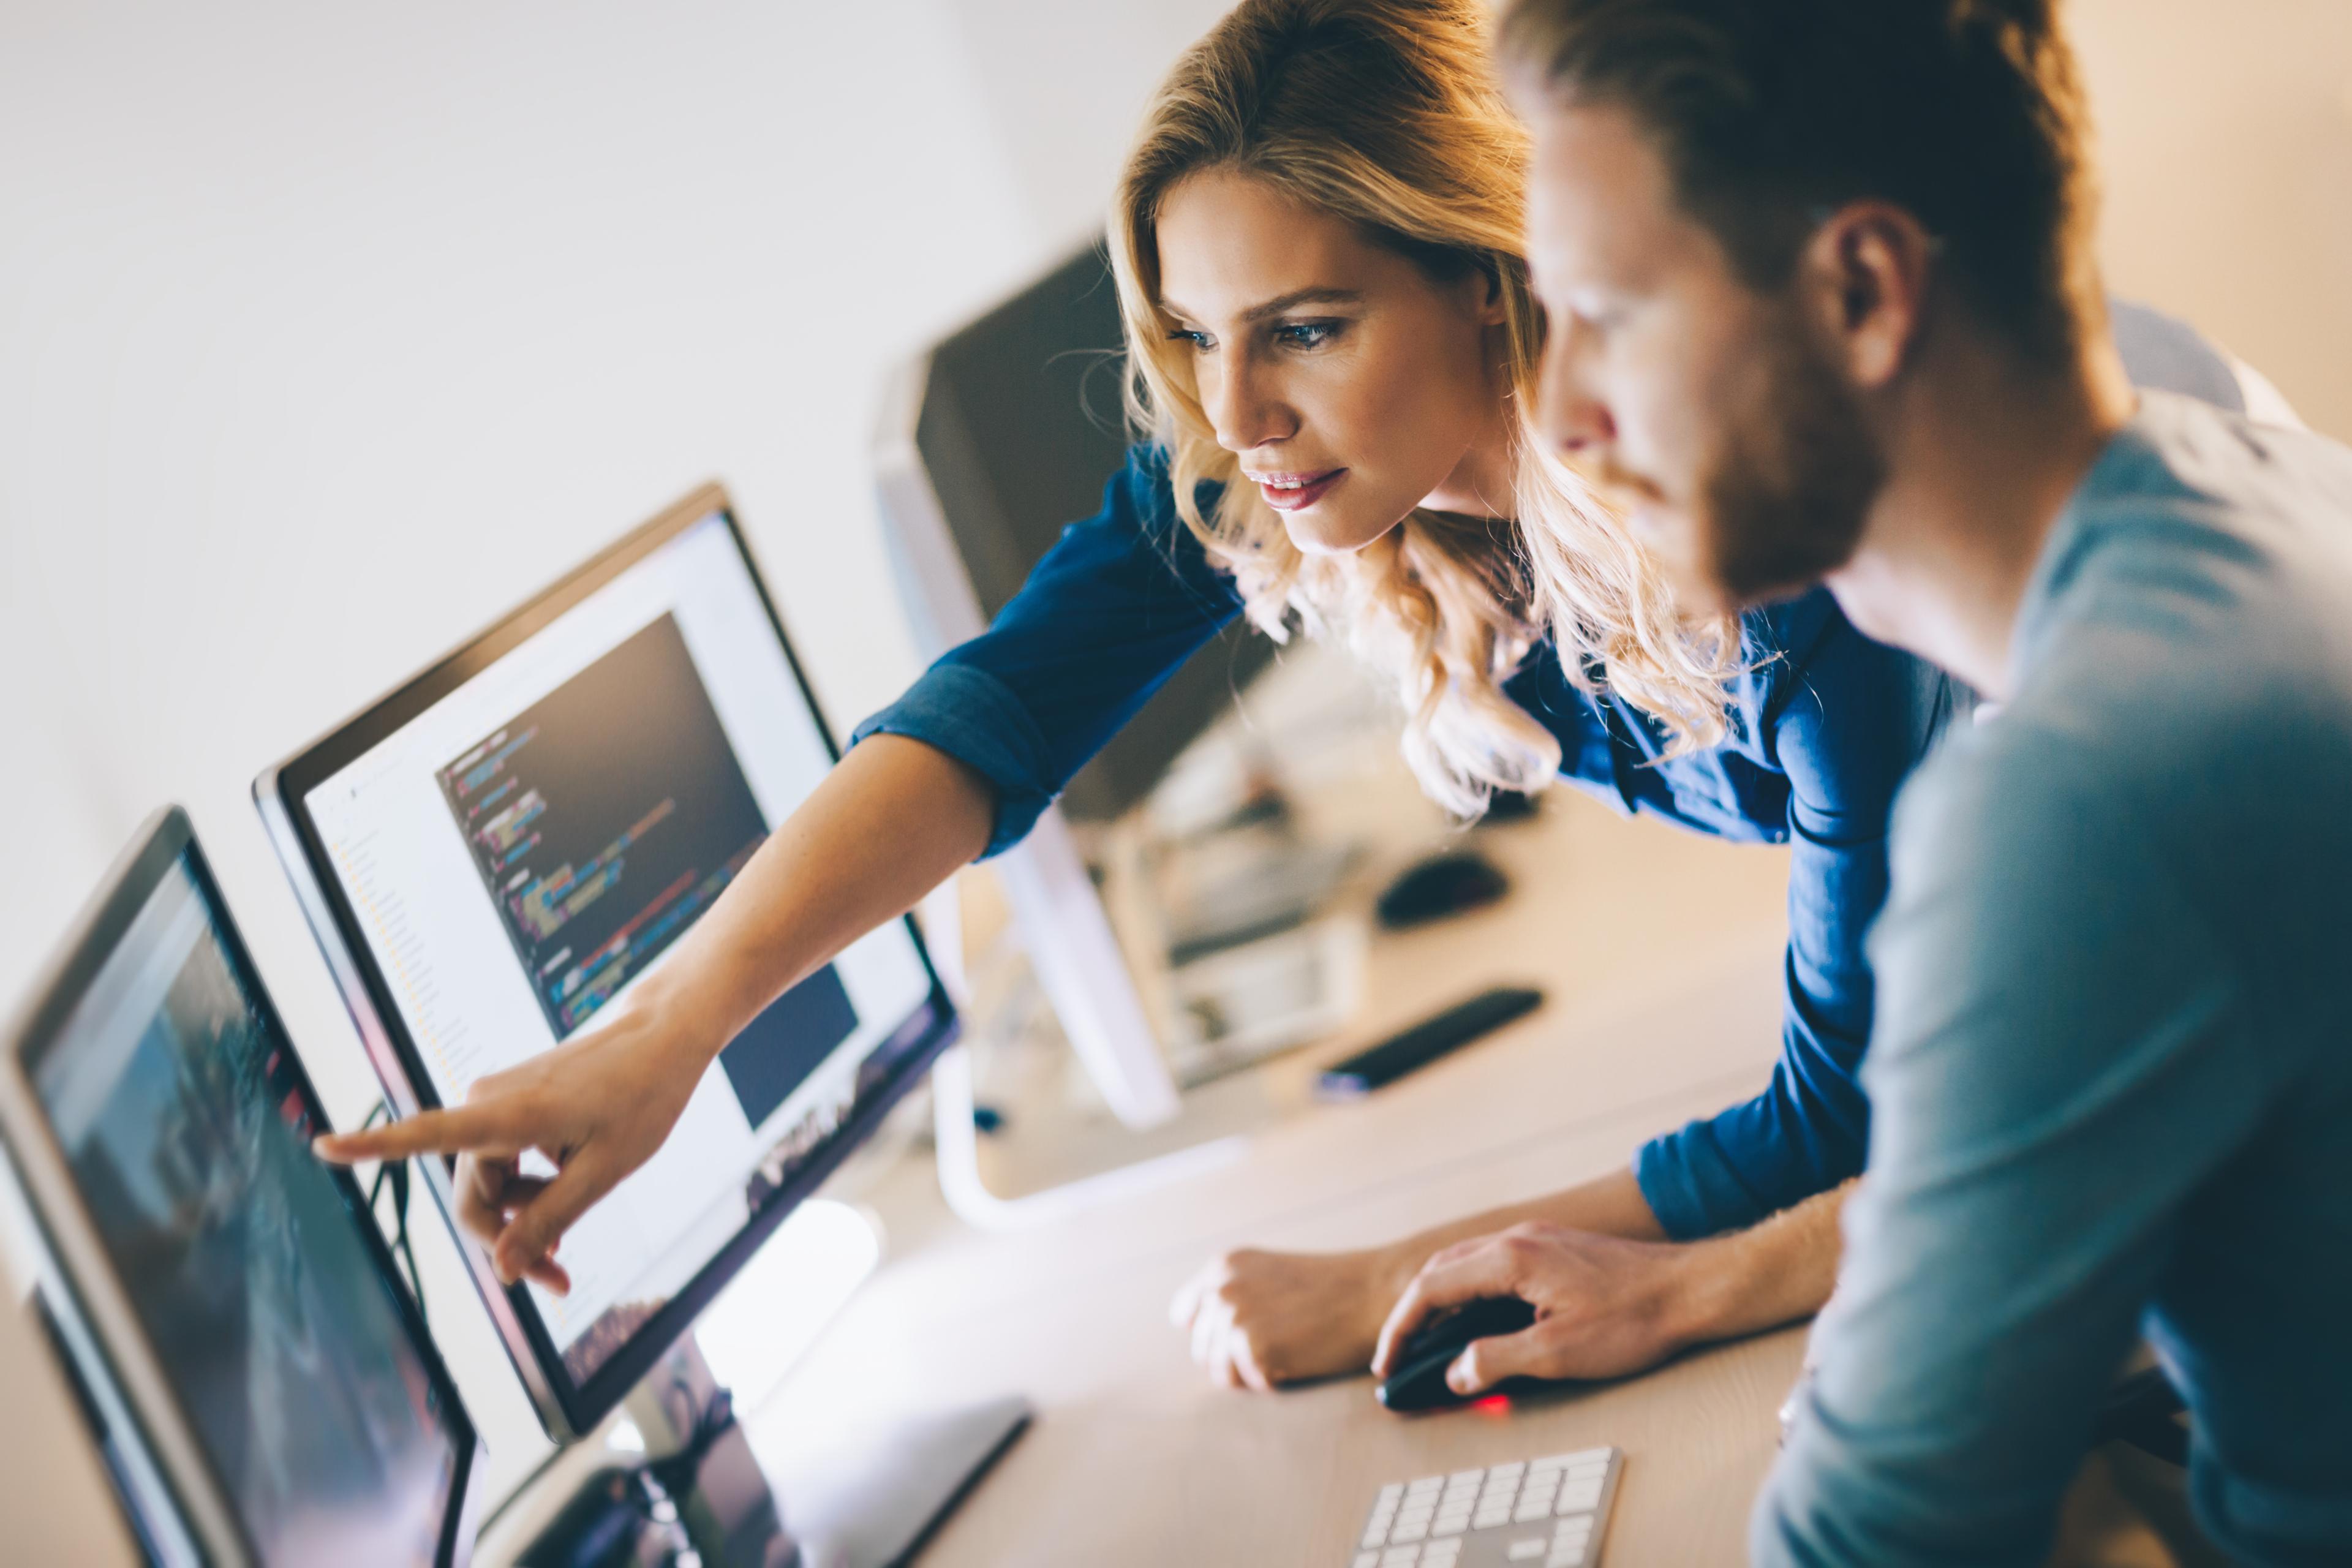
x=894 y=820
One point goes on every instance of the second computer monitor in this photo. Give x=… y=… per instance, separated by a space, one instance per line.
x=267 y=1389
x=493 y=854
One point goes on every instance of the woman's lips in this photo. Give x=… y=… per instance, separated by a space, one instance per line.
x=1292 y=493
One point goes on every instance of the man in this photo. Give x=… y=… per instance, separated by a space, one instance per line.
x=1822 y=307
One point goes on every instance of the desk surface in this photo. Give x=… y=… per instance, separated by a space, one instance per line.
x=1661 y=955
x=1668 y=1007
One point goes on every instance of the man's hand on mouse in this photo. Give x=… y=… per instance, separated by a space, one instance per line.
x=1605 y=1307
x=1260 y=1318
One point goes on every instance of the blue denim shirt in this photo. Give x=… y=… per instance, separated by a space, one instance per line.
x=2113 y=1071
x=1826 y=724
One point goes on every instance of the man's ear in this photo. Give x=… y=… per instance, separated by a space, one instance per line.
x=1863 y=285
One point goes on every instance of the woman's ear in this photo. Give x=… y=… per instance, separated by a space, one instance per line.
x=1495 y=312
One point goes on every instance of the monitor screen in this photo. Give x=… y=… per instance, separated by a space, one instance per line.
x=523 y=835
x=184 y=1120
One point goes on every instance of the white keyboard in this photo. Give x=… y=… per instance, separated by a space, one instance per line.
x=1538 y=1513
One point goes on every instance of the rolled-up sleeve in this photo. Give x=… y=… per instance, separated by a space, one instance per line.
x=1845 y=719
x=1113 y=610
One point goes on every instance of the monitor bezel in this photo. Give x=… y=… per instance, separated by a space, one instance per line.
x=83 y=1284
x=568 y=1409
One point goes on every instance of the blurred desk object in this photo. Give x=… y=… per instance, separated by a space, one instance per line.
x=1605 y=914
x=1661 y=954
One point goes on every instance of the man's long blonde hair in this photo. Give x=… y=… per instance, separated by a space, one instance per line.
x=1385 y=113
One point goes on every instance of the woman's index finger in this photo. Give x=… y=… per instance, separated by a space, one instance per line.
x=466 y=1130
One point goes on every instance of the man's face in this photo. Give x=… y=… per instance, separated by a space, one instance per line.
x=1703 y=408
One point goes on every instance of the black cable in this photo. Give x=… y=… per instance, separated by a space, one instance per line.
x=394 y=1174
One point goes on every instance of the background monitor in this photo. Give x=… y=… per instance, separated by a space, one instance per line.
x=493 y=854
x=1017 y=425
x=267 y=1387
x=990 y=444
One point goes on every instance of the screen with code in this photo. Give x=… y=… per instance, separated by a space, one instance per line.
x=521 y=853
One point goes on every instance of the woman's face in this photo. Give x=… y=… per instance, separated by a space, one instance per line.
x=1351 y=385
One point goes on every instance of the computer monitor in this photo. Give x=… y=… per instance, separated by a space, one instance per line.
x=1014 y=424
x=267 y=1389
x=494 y=852
x=990 y=444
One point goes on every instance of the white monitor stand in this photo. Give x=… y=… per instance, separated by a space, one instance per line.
x=1054 y=906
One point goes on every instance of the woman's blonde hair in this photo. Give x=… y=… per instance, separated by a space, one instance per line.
x=1385 y=113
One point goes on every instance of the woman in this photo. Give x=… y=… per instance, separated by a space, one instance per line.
x=1334 y=347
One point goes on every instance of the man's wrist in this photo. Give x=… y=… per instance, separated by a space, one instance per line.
x=1703 y=1285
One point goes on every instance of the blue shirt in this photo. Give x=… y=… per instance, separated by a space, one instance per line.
x=2113 y=1069
x=1826 y=725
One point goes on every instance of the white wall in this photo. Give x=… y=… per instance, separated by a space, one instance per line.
x=1066 y=83
x=2226 y=146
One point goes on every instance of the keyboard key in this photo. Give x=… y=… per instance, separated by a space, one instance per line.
x=1424 y=1484
x=1581 y=1457
x=1411 y=1530
x=1449 y=1525
x=1375 y=1535
x=1400 y=1557
x=1580 y=1496
x=1566 y=1557
x=1390 y=1495
x=1366 y=1560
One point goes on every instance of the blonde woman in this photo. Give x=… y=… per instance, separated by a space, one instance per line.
x=1333 y=350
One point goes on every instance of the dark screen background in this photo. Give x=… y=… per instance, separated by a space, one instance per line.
x=604 y=819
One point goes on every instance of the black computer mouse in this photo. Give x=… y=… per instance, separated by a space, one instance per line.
x=1440 y=886
x=1419 y=1381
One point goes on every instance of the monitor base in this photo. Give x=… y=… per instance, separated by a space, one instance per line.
x=858 y=1501
x=876 y=1504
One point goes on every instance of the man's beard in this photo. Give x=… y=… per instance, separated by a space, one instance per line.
x=1789 y=489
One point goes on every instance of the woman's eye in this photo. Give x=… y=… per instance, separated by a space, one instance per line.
x=1190 y=338
x=1306 y=335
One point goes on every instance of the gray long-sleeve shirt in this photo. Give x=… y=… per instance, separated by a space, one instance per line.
x=2111 y=1077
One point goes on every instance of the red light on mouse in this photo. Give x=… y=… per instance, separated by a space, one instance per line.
x=1494 y=1404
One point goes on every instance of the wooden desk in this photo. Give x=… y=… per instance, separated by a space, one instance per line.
x=1661 y=954
x=1134 y=1459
